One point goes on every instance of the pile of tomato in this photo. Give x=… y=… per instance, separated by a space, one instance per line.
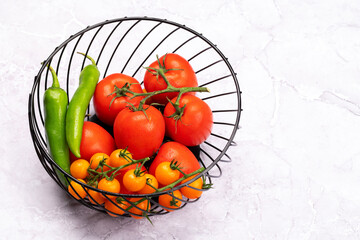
x=140 y=145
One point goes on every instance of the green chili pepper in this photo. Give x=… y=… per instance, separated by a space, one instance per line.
x=78 y=105
x=55 y=103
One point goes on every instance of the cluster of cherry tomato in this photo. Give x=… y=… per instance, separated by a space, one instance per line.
x=140 y=120
x=120 y=173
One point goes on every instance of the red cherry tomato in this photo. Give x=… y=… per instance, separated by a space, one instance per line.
x=104 y=96
x=141 y=133
x=183 y=76
x=195 y=124
x=178 y=152
x=94 y=139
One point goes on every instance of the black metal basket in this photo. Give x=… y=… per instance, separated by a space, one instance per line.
x=126 y=45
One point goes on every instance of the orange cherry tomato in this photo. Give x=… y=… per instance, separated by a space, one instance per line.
x=97 y=159
x=165 y=174
x=120 y=157
x=76 y=190
x=134 y=181
x=141 y=208
x=116 y=207
x=190 y=192
x=95 y=197
x=109 y=186
x=171 y=200
x=78 y=169
x=148 y=189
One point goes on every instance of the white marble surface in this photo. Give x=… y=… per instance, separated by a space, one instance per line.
x=296 y=170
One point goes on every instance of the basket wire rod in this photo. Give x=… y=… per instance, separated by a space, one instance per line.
x=117 y=46
x=204 y=50
x=142 y=40
x=155 y=49
x=107 y=39
x=224 y=110
x=83 y=63
x=219 y=95
x=218 y=79
x=37 y=132
x=59 y=60
x=225 y=123
x=89 y=46
x=233 y=143
x=181 y=45
x=210 y=65
x=70 y=61
x=218 y=149
x=213 y=164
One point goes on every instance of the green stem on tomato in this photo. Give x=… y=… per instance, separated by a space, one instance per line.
x=94 y=174
x=173 y=184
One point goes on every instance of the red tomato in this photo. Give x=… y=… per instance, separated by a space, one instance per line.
x=195 y=124
x=141 y=134
x=175 y=151
x=183 y=77
x=94 y=139
x=104 y=94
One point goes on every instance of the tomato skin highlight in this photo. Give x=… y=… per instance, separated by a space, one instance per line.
x=183 y=77
x=175 y=151
x=94 y=139
x=141 y=134
x=103 y=96
x=195 y=124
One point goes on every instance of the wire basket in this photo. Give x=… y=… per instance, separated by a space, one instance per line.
x=126 y=45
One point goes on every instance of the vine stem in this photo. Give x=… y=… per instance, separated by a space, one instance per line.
x=95 y=174
x=160 y=72
x=173 y=184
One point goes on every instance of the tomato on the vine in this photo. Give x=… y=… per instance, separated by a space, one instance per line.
x=98 y=160
x=165 y=174
x=178 y=152
x=134 y=180
x=95 y=197
x=109 y=100
x=177 y=71
x=171 y=200
x=76 y=190
x=116 y=206
x=112 y=186
x=120 y=157
x=142 y=206
x=141 y=132
x=147 y=189
x=79 y=168
x=191 y=191
x=193 y=126
x=120 y=176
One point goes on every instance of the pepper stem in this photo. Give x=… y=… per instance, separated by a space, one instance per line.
x=88 y=57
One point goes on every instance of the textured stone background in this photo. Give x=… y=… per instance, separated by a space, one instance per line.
x=296 y=168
